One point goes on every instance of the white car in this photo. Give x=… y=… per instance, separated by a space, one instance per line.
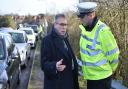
x=30 y=35
x=20 y=40
x=35 y=29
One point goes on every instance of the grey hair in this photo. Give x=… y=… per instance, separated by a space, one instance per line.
x=59 y=16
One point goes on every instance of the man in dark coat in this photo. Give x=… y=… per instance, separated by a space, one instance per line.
x=57 y=58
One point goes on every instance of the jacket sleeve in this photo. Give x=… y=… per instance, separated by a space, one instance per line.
x=109 y=47
x=48 y=65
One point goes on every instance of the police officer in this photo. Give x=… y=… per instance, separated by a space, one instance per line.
x=98 y=48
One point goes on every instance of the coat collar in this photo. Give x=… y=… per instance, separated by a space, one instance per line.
x=92 y=25
x=59 y=42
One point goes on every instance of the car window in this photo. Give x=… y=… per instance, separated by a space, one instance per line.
x=2 y=52
x=35 y=28
x=17 y=37
x=28 y=32
x=9 y=44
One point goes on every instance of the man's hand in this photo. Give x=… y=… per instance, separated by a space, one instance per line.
x=59 y=65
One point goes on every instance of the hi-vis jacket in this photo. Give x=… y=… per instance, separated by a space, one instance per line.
x=99 y=52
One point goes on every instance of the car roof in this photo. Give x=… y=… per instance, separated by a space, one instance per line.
x=4 y=34
x=31 y=25
x=25 y=28
x=6 y=28
x=15 y=31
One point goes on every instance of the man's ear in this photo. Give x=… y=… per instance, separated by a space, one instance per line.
x=93 y=14
x=54 y=24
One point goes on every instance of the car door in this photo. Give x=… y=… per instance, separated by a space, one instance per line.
x=2 y=51
x=13 y=63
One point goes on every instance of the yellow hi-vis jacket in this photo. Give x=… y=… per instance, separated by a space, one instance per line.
x=99 y=52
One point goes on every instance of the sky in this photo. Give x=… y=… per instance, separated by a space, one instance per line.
x=34 y=7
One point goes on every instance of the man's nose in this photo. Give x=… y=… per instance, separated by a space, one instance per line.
x=65 y=26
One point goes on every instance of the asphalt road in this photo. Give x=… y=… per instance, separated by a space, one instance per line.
x=25 y=73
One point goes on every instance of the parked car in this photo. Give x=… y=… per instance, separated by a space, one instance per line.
x=36 y=30
x=9 y=56
x=20 y=40
x=30 y=35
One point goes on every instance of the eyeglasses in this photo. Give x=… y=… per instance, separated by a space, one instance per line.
x=62 y=24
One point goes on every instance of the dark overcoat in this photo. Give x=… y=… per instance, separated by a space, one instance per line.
x=53 y=50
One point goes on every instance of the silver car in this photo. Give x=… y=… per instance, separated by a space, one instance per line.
x=20 y=40
x=9 y=63
x=30 y=35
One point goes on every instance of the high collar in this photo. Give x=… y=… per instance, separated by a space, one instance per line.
x=92 y=25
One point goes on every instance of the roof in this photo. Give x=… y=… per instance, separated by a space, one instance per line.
x=25 y=28
x=15 y=31
x=3 y=34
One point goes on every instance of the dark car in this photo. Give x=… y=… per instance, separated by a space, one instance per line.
x=9 y=53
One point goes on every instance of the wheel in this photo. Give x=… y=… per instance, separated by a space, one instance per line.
x=19 y=74
x=34 y=46
x=8 y=85
x=23 y=66
x=28 y=55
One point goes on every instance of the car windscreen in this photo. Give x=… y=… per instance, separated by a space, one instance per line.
x=28 y=32
x=17 y=37
x=2 y=51
x=34 y=28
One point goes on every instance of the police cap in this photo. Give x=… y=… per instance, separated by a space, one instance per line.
x=86 y=7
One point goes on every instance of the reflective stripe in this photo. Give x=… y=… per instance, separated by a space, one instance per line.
x=90 y=53
x=91 y=40
x=79 y=62
x=89 y=47
x=112 y=51
x=115 y=61
x=96 y=35
x=102 y=62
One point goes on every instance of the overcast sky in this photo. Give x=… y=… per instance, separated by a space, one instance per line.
x=36 y=6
